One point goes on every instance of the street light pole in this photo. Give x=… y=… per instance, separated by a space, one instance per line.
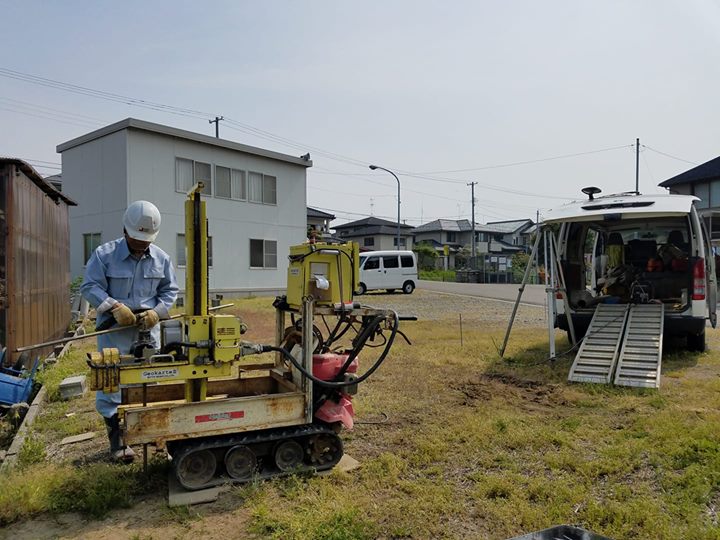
x=372 y=168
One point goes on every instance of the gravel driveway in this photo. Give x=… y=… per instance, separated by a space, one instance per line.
x=430 y=305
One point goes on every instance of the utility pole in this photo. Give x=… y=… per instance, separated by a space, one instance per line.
x=637 y=166
x=473 y=253
x=217 y=125
x=537 y=253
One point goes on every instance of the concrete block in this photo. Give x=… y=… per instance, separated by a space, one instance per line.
x=179 y=496
x=346 y=464
x=78 y=438
x=72 y=387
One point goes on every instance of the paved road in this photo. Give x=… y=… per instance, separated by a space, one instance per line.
x=533 y=294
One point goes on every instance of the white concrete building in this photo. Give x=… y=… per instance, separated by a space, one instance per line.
x=256 y=199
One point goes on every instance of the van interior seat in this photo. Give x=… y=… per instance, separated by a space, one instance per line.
x=637 y=252
x=677 y=239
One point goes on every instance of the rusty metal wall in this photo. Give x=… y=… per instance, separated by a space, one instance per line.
x=36 y=263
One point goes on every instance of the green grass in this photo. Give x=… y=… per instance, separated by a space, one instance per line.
x=92 y=490
x=474 y=447
x=73 y=363
x=437 y=275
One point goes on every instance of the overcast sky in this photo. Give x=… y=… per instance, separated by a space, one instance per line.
x=443 y=93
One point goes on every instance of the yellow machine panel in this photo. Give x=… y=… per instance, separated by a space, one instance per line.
x=226 y=337
x=327 y=272
x=198 y=329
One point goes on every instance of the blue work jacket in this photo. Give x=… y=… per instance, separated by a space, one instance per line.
x=114 y=275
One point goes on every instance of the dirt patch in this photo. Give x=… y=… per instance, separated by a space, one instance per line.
x=525 y=394
x=261 y=324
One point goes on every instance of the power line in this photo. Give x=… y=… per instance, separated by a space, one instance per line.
x=40 y=161
x=529 y=161
x=256 y=132
x=100 y=94
x=43 y=108
x=436 y=196
x=248 y=129
x=458 y=182
x=181 y=111
x=45 y=117
x=669 y=155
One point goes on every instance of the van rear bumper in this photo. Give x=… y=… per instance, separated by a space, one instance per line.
x=674 y=324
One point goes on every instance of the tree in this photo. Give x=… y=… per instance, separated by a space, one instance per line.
x=426 y=256
x=462 y=257
x=519 y=264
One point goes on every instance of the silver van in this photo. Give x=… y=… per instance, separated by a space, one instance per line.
x=632 y=248
x=389 y=270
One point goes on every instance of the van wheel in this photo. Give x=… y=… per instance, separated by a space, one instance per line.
x=408 y=287
x=362 y=289
x=696 y=343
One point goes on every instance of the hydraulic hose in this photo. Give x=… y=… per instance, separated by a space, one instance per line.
x=342 y=384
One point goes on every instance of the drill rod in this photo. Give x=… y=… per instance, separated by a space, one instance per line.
x=100 y=333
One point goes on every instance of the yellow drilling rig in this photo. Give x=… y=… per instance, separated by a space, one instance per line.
x=224 y=414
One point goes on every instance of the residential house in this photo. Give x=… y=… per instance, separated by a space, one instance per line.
x=375 y=234
x=256 y=198
x=447 y=236
x=507 y=236
x=702 y=181
x=319 y=222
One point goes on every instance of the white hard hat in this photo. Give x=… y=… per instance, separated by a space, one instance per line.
x=142 y=221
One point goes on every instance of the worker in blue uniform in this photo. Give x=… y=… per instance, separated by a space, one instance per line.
x=130 y=282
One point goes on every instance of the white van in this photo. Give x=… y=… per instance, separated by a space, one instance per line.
x=632 y=248
x=388 y=270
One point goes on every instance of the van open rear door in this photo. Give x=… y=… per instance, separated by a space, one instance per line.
x=710 y=277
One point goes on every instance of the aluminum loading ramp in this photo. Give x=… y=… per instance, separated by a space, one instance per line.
x=598 y=354
x=629 y=336
x=641 y=353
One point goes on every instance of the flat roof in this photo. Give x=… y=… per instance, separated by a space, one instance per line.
x=142 y=125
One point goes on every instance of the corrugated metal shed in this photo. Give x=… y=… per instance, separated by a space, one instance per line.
x=34 y=258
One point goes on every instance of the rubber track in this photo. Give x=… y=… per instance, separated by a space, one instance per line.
x=251 y=439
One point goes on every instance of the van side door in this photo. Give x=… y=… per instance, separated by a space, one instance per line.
x=372 y=273
x=391 y=272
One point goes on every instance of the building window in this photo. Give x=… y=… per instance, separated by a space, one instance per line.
x=450 y=236
x=90 y=242
x=403 y=242
x=189 y=172
x=269 y=189
x=262 y=188
x=181 y=253
x=230 y=183
x=263 y=253
x=369 y=241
